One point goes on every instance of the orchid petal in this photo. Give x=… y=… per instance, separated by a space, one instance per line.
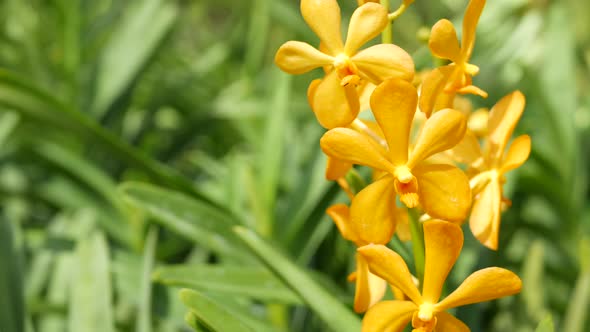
x=311 y=89
x=448 y=323
x=433 y=87
x=517 y=154
x=372 y=212
x=468 y=150
x=470 y=20
x=443 y=130
x=388 y=316
x=348 y=145
x=503 y=119
x=444 y=191
x=443 y=242
x=366 y=23
x=336 y=169
x=340 y=214
x=390 y=266
x=332 y=105
x=483 y=285
x=370 y=289
x=394 y=104
x=384 y=61
x=486 y=213
x=323 y=17
x=443 y=41
x=296 y=57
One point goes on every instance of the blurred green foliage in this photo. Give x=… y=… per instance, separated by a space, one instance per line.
x=184 y=95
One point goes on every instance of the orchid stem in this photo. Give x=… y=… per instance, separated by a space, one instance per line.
x=387 y=34
x=417 y=243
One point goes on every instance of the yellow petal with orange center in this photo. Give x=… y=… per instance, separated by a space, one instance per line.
x=470 y=20
x=340 y=214
x=332 y=105
x=323 y=17
x=442 y=131
x=443 y=41
x=366 y=23
x=486 y=213
x=394 y=104
x=384 y=61
x=390 y=266
x=369 y=288
x=372 y=212
x=443 y=242
x=483 y=285
x=432 y=89
x=503 y=119
x=448 y=323
x=296 y=57
x=444 y=191
x=351 y=146
x=517 y=154
x=388 y=316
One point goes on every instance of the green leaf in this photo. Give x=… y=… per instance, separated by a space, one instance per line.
x=190 y=218
x=253 y=282
x=546 y=325
x=332 y=312
x=11 y=288
x=144 y=314
x=132 y=44
x=211 y=313
x=91 y=301
x=579 y=304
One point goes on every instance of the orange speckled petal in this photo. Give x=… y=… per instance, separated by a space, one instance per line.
x=485 y=214
x=390 y=266
x=394 y=104
x=443 y=41
x=517 y=154
x=366 y=23
x=388 y=316
x=372 y=212
x=332 y=106
x=323 y=17
x=443 y=130
x=502 y=120
x=351 y=146
x=443 y=242
x=296 y=57
x=483 y=285
x=470 y=20
x=444 y=191
x=448 y=323
x=384 y=61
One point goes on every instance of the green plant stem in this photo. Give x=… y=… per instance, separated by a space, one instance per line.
x=417 y=244
x=387 y=34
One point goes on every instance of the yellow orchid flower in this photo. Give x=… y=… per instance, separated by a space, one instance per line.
x=335 y=98
x=442 y=190
x=490 y=166
x=441 y=85
x=443 y=242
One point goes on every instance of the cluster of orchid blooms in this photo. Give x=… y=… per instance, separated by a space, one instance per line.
x=420 y=134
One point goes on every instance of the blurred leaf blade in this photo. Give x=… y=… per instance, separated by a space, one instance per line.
x=329 y=309
x=12 y=311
